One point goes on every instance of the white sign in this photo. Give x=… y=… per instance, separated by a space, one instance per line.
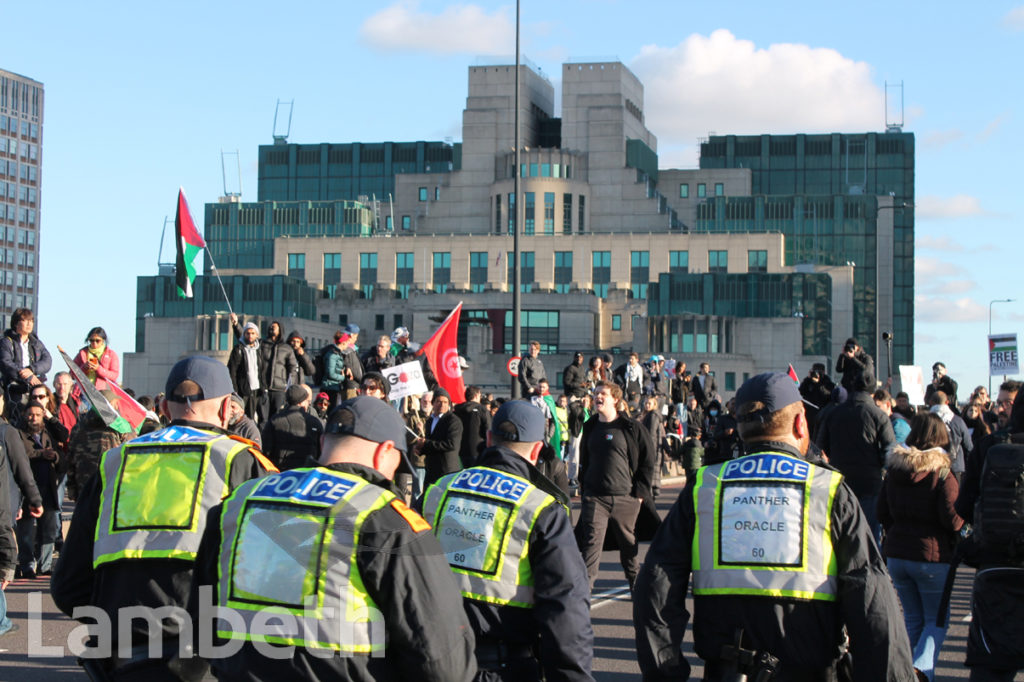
x=1002 y=354
x=405 y=379
x=762 y=524
x=912 y=382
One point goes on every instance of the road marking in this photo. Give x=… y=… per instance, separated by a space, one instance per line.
x=967 y=618
x=602 y=598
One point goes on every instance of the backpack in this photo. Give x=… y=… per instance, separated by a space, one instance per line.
x=999 y=511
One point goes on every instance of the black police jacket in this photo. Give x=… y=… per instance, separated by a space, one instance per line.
x=558 y=626
x=405 y=573
x=806 y=636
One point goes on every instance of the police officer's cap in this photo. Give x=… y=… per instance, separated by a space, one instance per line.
x=369 y=418
x=208 y=374
x=519 y=421
x=775 y=390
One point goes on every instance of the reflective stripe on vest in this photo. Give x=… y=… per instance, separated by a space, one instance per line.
x=156 y=491
x=483 y=518
x=287 y=563
x=763 y=528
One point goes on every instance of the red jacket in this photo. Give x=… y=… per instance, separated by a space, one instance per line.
x=108 y=369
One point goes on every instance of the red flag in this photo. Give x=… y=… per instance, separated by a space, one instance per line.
x=792 y=374
x=443 y=355
x=129 y=408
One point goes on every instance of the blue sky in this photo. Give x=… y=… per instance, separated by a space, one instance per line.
x=142 y=98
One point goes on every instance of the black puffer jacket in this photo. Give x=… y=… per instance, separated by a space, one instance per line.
x=856 y=436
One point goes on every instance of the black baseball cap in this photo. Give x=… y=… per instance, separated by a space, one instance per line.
x=775 y=390
x=527 y=421
x=210 y=375
x=369 y=418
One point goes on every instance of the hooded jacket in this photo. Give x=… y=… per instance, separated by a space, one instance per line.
x=11 y=361
x=916 y=505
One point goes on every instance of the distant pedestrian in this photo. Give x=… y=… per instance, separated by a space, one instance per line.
x=531 y=371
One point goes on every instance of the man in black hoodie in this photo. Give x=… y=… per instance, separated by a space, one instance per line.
x=855 y=436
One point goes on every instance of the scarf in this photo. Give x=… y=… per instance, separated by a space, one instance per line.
x=98 y=354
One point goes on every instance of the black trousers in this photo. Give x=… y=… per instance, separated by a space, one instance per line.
x=615 y=514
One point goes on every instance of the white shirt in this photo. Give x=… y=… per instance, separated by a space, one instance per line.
x=26 y=359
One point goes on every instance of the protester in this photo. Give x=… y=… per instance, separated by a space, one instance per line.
x=852 y=363
x=531 y=370
x=941 y=382
x=703 y=386
x=247 y=366
x=616 y=471
x=279 y=366
x=97 y=360
x=36 y=535
x=915 y=508
x=574 y=378
x=900 y=424
x=816 y=389
x=856 y=436
x=240 y=424
x=23 y=357
x=67 y=404
x=476 y=422
x=16 y=483
x=89 y=441
x=597 y=373
x=305 y=368
x=291 y=438
x=442 y=441
x=379 y=358
x=959 y=436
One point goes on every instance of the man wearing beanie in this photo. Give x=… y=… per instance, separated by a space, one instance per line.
x=291 y=438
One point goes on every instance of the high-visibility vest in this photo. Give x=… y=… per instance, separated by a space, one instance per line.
x=483 y=518
x=763 y=528
x=287 y=563
x=156 y=491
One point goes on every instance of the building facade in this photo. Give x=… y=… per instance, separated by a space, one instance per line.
x=21 y=163
x=734 y=262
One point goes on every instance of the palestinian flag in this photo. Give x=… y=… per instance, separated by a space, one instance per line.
x=128 y=406
x=100 y=405
x=189 y=245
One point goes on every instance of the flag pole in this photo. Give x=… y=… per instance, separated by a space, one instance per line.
x=216 y=273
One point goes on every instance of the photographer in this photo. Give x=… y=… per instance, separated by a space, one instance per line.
x=942 y=382
x=852 y=362
x=816 y=390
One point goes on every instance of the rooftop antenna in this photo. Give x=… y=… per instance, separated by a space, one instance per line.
x=278 y=138
x=224 y=173
x=162 y=268
x=895 y=125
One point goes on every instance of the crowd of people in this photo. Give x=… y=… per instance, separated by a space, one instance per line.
x=889 y=496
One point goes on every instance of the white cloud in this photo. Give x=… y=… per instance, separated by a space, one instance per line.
x=951 y=287
x=941 y=309
x=1014 y=19
x=925 y=267
x=993 y=126
x=959 y=206
x=736 y=87
x=458 y=28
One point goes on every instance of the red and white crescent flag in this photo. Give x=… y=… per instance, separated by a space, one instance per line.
x=442 y=353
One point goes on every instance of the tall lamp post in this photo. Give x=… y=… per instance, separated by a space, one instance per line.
x=517 y=330
x=990 y=304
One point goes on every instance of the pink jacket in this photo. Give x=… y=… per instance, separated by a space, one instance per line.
x=108 y=369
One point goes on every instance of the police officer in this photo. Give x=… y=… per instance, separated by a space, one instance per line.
x=506 y=532
x=363 y=583
x=781 y=557
x=139 y=521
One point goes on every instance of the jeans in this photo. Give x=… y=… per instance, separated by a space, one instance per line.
x=28 y=549
x=5 y=622
x=869 y=504
x=919 y=585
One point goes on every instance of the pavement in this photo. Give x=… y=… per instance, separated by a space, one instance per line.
x=611 y=614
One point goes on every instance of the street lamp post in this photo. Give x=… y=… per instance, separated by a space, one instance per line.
x=990 y=304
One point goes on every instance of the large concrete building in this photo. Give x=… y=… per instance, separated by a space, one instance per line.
x=21 y=162
x=735 y=262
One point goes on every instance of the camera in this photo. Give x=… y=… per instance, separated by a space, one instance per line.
x=849 y=348
x=887 y=337
x=815 y=374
